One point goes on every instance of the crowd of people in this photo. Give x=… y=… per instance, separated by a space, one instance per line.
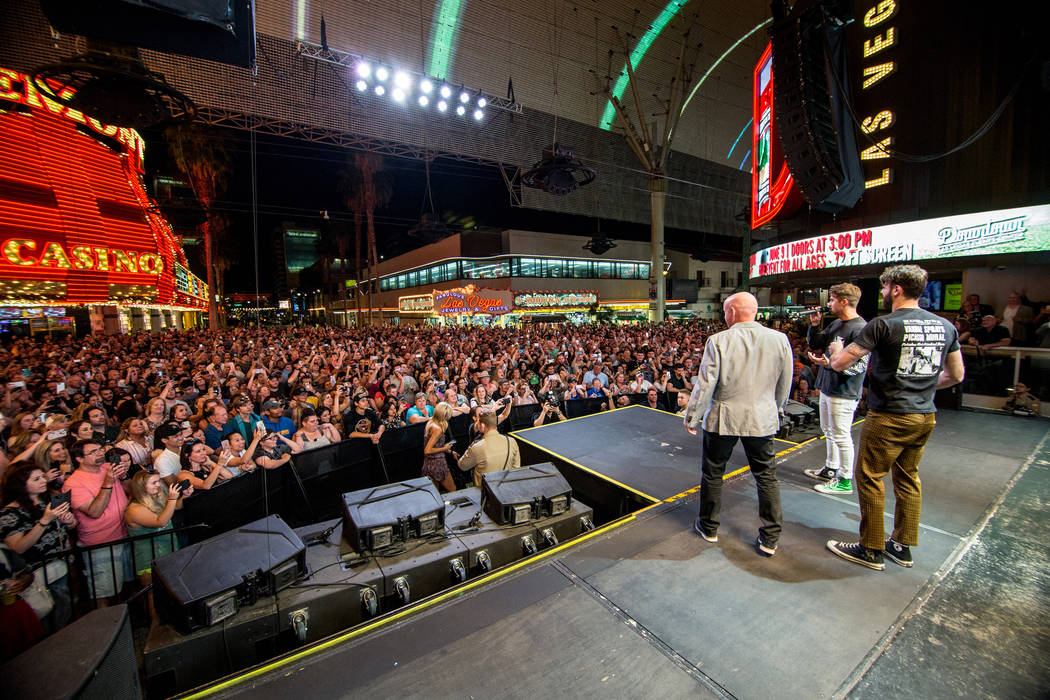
x=104 y=437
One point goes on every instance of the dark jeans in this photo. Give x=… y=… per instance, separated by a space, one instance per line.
x=761 y=455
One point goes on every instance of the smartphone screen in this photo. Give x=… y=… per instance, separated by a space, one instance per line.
x=60 y=387
x=225 y=444
x=183 y=484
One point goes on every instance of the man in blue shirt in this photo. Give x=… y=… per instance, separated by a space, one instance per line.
x=595 y=373
x=275 y=420
x=217 y=429
x=421 y=412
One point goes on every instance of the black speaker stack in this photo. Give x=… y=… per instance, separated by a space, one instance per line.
x=816 y=132
x=355 y=573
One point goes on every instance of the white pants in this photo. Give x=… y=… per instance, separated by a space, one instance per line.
x=836 y=420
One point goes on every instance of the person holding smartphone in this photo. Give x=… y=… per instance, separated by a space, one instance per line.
x=150 y=510
x=435 y=448
x=36 y=524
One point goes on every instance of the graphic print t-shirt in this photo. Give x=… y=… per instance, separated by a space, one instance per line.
x=355 y=423
x=846 y=384
x=909 y=348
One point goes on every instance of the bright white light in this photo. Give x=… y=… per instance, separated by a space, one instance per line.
x=446 y=91
x=382 y=73
x=362 y=85
x=464 y=97
x=442 y=106
x=482 y=102
x=461 y=110
x=380 y=90
x=425 y=86
x=423 y=101
x=398 y=94
x=364 y=70
x=402 y=80
x=479 y=115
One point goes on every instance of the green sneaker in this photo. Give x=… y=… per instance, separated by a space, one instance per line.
x=836 y=485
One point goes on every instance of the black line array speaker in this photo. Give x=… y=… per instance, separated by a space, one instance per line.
x=218 y=30
x=91 y=659
x=380 y=516
x=516 y=496
x=816 y=132
x=208 y=582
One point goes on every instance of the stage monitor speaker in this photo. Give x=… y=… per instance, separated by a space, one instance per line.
x=378 y=517
x=92 y=658
x=218 y=30
x=208 y=582
x=518 y=496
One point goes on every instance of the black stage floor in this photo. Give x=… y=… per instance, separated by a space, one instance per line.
x=648 y=608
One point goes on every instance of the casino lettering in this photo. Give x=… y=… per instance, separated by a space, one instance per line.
x=24 y=252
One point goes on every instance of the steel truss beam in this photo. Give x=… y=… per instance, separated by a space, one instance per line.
x=216 y=116
x=345 y=59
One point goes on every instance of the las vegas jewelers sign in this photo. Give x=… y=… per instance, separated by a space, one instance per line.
x=1020 y=230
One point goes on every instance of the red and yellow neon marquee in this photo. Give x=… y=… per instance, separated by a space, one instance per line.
x=773 y=190
x=76 y=223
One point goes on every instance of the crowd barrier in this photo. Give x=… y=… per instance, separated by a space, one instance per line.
x=309 y=487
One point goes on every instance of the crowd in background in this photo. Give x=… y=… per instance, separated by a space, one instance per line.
x=105 y=436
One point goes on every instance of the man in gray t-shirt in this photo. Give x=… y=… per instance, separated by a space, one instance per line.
x=913 y=353
x=839 y=391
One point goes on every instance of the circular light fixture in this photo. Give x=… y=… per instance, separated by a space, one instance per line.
x=423 y=101
x=464 y=97
x=382 y=73
x=482 y=102
x=461 y=110
x=479 y=114
x=362 y=85
x=442 y=106
x=364 y=70
x=426 y=86
x=446 y=91
x=398 y=94
x=402 y=80
x=380 y=90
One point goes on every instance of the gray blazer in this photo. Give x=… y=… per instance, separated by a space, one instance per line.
x=744 y=380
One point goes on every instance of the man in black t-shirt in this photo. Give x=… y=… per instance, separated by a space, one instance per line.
x=839 y=391
x=362 y=421
x=990 y=334
x=913 y=353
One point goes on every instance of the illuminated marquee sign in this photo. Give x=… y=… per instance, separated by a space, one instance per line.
x=18 y=88
x=76 y=223
x=872 y=75
x=773 y=191
x=23 y=251
x=1021 y=230
x=555 y=300
x=471 y=300
x=417 y=303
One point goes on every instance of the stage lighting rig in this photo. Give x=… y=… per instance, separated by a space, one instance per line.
x=403 y=87
x=558 y=172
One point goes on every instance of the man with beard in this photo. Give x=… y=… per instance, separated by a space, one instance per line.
x=913 y=354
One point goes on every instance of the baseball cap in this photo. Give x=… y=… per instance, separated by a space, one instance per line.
x=165 y=431
x=270 y=403
x=300 y=391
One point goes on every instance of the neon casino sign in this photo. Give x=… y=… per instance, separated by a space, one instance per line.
x=471 y=300
x=555 y=300
x=773 y=191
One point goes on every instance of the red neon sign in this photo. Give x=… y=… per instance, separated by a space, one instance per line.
x=74 y=215
x=773 y=191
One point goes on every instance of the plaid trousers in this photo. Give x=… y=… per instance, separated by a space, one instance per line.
x=893 y=443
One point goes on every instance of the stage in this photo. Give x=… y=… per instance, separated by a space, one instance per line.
x=643 y=606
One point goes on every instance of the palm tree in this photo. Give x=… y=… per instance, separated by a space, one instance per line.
x=365 y=188
x=206 y=164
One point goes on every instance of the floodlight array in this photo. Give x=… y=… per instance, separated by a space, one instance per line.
x=408 y=89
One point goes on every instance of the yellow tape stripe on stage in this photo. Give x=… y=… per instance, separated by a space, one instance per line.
x=418 y=607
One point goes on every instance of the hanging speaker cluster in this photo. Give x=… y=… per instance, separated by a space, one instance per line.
x=113 y=86
x=558 y=172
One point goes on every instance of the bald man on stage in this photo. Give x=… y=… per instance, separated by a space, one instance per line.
x=744 y=381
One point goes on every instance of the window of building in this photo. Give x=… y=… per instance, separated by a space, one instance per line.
x=725 y=278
